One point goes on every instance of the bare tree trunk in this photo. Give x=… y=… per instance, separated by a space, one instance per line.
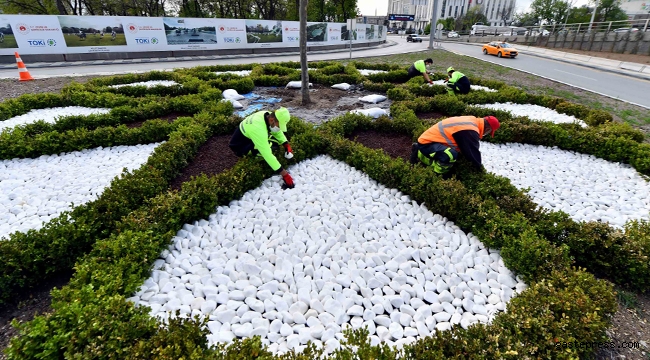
x=303 y=52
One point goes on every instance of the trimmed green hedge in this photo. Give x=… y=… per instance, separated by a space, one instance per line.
x=601 y=249
x=92 y=319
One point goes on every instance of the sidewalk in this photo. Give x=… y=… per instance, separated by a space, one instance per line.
x=620 y=67
x=37 y=65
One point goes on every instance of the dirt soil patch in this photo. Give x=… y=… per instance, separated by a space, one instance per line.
x=326 y=103
x=10 y=88
x=171 y=117
x=395 y=145
x=630 y=331
x=25 y=306
x=212 y=158
x=430 y=116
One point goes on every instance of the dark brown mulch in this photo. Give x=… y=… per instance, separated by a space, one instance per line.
x=171 y=117
x=25 y=305
x=430 y=115
x=395 y=145
x=212 y=158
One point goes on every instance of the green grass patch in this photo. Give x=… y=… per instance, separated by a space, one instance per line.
x=9 y=42
x=94 y=40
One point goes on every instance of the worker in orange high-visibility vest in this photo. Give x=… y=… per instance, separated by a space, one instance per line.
x=440 y=145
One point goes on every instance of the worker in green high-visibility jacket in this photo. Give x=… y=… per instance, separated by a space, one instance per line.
x=420 y=68
x=255 y=134
x=457 y=82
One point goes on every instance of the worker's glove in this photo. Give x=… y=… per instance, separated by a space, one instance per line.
x=288 y=181
x=430 y=82
x=289 y=153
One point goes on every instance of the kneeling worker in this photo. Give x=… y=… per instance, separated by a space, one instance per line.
x=252 y=137
x=440 y=145
x=420 y=68
x=457 y=82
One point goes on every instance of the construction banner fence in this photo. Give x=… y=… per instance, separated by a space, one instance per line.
x=52 y=34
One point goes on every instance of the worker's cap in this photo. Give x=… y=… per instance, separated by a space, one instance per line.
x=282 y=114
x=450 y=69
x=494 y=123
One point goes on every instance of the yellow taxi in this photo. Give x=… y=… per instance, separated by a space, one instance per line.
x=500 y=49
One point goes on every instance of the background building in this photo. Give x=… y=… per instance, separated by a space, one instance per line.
x=498 y=12
x=636 y=9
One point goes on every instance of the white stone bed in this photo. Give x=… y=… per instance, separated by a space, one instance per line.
x=33 y=191
x=235 y=72
x=338 y=250
x=366 y=72
x=49 y=115
x=535 y=112
x=584 y=186
x=148 y=84
x=472 y=87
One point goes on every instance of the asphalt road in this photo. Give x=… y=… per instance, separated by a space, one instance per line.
x=623 y=87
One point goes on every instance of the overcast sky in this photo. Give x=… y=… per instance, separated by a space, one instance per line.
x=368 y=7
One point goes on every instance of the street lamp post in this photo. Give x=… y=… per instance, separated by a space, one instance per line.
x=433 y=22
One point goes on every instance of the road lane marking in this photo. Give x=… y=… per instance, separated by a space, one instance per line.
x=566 y=72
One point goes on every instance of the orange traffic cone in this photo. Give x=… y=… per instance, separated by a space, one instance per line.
x=22 y=70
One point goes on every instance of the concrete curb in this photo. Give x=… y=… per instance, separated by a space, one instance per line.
x=38 y=65
x=602 y=67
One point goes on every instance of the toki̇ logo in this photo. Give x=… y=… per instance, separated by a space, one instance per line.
x=22 y=28
x=146 y=41
x=51 y=42
x=293 y=38
x=232 y=40
x=36 y=42
x=334 y=38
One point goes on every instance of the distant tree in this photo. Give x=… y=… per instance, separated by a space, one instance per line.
x=610 y=10
x=580 y=14
x=474 y=15
x=524 y=19
x=427 y=29
x=549 y=11
x=505 y=13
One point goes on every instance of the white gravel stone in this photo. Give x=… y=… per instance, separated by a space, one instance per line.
x=34 y=191
x=310 y=276
x=534 y=112
x=585 y=187
x=148 y=84
x=49 y=115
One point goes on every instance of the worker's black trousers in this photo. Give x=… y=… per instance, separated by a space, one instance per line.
x=240 y=144
x=461 y=86
x=438 y=152
x=413 y=72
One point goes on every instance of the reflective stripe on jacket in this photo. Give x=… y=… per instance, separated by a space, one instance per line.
x=254 y=127
x=443 y=131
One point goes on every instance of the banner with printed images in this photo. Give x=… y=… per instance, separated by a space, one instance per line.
x=144 y=33
x=7 y=38
x=345 y=34
x=32 y=34
x=370 y=32
x=317 y=32
x=231 y=33
x=361 y=32
x=263 y=31
x=98 y=33
x=291 y=33
x=334 y=33
x=190 y=33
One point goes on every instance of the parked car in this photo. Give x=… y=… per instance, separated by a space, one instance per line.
x=536 y=32
x=624 y=30
x=413 y=38
x=500 y=49
x=452 y=34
